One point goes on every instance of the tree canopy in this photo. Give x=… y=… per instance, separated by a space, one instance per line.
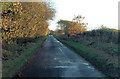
x=73 y=27
x=25 y=19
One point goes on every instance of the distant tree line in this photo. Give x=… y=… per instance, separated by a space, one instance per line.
x=75 y=26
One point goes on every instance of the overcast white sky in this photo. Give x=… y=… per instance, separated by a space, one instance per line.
x=97 y=12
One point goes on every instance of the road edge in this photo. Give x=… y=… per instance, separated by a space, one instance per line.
x=18 y=73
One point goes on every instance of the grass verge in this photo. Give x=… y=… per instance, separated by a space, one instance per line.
x=99 y=61
x=10 y=67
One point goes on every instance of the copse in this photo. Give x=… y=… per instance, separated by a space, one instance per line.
x=25 y=20
x=58 y=32
x=73 y=27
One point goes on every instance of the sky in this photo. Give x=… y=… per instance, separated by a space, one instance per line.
x=96 y=12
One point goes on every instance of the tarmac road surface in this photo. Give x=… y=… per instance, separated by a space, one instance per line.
x=56 y=60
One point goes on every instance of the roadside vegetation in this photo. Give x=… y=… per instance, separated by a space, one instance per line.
x=24 y=29
x=17 y=55
x=99 y=46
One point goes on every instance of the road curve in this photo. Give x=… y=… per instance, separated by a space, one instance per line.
x=56 y=60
